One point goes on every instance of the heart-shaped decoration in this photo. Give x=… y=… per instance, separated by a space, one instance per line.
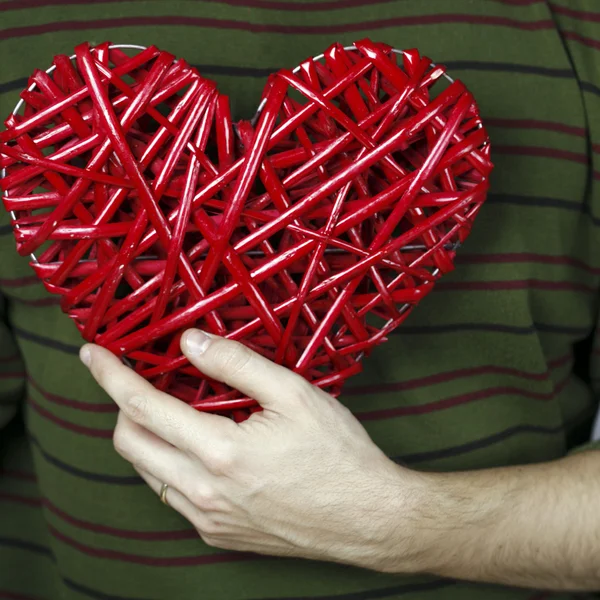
x=308 y=234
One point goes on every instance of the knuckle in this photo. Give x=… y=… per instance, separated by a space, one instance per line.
x=203 y=497
x=140 y=465
x=232 y=358
x=121 y=442
x=221 y=458
x=135 y=406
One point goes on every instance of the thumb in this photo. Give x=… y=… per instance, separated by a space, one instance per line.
x=274 y=387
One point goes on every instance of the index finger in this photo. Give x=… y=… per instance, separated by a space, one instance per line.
x=167 y=417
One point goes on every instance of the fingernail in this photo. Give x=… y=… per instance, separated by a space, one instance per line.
x=196 y=341
x=85 y=356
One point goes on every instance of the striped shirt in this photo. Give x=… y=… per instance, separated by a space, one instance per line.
x=498 y=366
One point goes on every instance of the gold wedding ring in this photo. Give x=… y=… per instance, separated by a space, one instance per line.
x=163 y=493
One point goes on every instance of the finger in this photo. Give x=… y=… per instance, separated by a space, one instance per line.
x=272 y=385
x=167 y=417
x=174 y=498
x=209 y=528
x=147 y=452
x=207 y=522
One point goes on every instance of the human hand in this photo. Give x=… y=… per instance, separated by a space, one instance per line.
x=300 y=478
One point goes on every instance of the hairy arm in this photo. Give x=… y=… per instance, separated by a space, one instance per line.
x=303 y=478
x=531 y=526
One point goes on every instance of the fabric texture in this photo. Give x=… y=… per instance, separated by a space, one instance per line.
x=498 y=366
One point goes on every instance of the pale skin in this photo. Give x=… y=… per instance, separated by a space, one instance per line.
x=302 y=478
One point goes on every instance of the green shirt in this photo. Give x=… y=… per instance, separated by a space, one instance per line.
x=496 y=366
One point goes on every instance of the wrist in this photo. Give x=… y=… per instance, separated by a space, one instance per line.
x=529 y=526
x=462 y=522
x=438 y=523
x=404 y=528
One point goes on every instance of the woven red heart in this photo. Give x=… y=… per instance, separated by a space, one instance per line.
x=309 y=236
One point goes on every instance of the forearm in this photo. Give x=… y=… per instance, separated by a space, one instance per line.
x=532 y=526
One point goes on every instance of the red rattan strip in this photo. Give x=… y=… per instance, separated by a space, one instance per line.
x=309 y=235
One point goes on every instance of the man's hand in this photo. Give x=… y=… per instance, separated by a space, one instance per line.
x=300 y=478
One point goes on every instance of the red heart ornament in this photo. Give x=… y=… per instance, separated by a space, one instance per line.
x=308 y=235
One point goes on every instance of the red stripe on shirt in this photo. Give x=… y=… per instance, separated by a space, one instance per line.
x=209 y=23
